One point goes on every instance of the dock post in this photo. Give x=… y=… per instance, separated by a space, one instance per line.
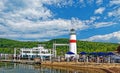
x=50 y=55
x=14 y=54
x=5 y=56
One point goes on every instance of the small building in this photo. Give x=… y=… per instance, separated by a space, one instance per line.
x=36 y=52
x=70 y=56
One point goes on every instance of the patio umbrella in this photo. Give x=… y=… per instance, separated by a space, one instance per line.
x=93 y=53
x=83 y=53
x=110 y=53
x=101 y=54
x=70 y=53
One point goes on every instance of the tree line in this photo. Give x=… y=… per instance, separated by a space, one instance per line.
x=7 y=45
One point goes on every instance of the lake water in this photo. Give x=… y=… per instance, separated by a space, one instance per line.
x=24 y=68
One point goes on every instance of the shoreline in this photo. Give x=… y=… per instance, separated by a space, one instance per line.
x=96 y=67
x=90 y=67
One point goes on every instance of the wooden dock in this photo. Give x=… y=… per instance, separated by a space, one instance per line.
x=21 y=61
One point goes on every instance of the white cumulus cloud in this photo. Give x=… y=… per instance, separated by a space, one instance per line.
x=26 y=29
x=99 y=2
x=114 y=2
x=103 y=24
x=31 y=20
x=2 y=5
x=115 y=36
x=115 y=13
x=99 y=10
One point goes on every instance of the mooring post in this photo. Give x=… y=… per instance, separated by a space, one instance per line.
x=14 y=54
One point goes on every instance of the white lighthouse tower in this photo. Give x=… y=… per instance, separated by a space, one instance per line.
x=73 y=46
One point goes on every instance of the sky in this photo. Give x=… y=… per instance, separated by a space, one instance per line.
x=42 y=20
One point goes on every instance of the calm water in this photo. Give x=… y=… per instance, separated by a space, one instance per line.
x=23 y=68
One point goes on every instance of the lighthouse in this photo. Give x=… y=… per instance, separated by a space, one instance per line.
x=73 y=46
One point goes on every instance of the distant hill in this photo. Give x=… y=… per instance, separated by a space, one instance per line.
x=7 y=45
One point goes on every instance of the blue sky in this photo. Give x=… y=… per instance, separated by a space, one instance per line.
x=42 y=20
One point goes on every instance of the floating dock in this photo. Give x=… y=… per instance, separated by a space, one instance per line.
x=22 y=61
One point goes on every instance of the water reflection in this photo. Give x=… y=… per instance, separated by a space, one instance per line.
x=23 y=68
